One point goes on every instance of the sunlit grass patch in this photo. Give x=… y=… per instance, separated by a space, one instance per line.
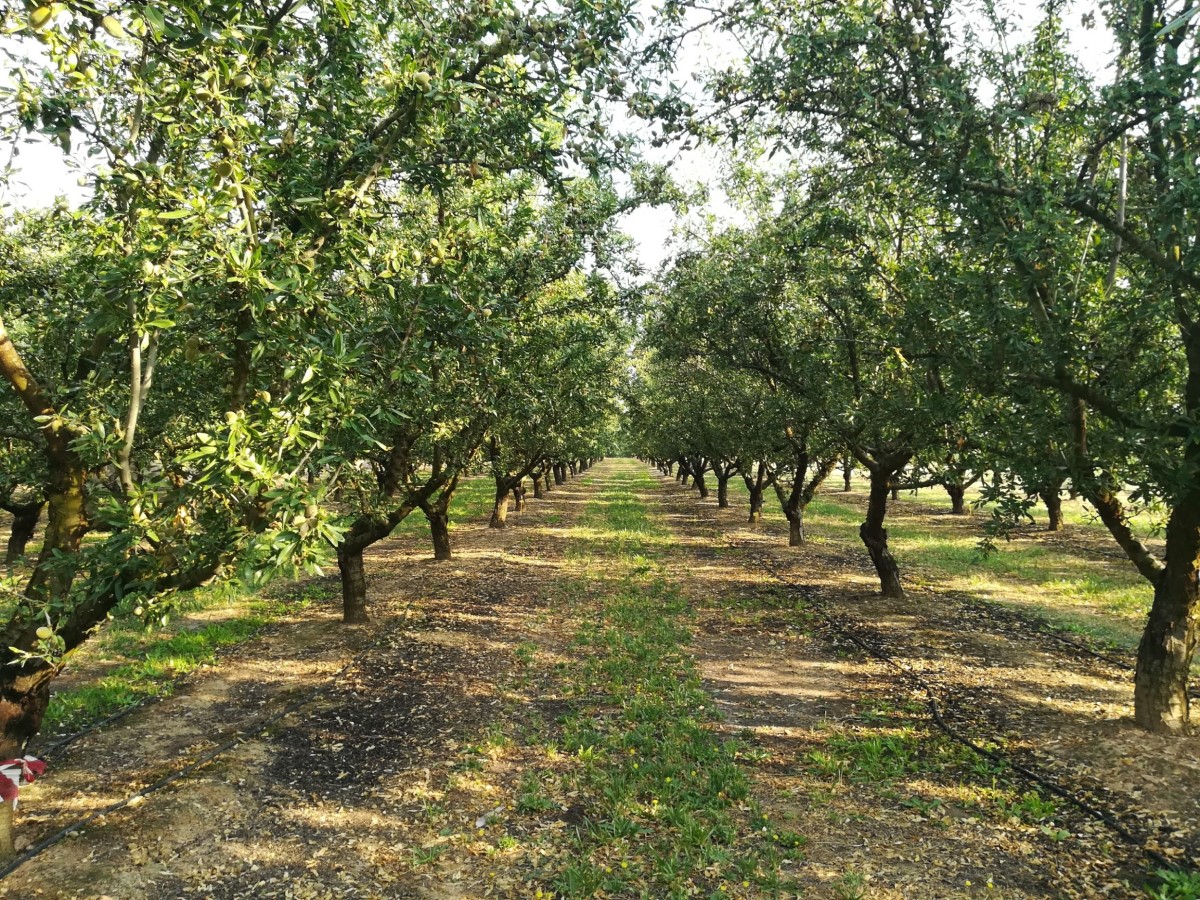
x=148 y=663
x=663 y=805
x=1104 y=598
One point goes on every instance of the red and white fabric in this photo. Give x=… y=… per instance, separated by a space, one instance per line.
x=17 y=772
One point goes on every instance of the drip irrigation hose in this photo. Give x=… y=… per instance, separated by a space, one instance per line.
x=935 y=710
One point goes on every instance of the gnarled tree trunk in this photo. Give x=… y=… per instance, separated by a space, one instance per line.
x=958 y=495
x=1168 y=644
x=875 y=537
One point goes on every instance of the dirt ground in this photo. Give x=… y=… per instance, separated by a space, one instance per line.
x=390 y=777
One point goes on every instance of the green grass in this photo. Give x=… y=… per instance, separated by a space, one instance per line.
x=1103 y=598
x=668 y=805
x=150 y=662
x=472 y=501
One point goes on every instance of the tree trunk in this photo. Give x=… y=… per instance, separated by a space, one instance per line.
x=958 y=494
x=354 y=585
x=538 y=493
x=847 y=472
x=560 y=473
x=8 y=847
x=874 y=535
x=702 y=486
x=500 y=510
x=439 y=530
x=25 y=520
x=25 y=685
x=518 y=495
x=796 y=528
x=723 y=492
x=1164 y=658
x=756 y=504
x=1053 y=501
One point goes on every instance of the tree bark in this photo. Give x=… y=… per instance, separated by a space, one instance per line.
x=723 y=491
x=354 y=585
x=847 y=472
x=439 y=531
x=500 y=510
x=958 y=494
x=25 y=520
x=756 y=505
x=25 y=685
x=701 y=486
x=538 y=492
x=796 y=529
x=1053 y=501
x=8 y=846
x=1168 y=644
x=875 y=537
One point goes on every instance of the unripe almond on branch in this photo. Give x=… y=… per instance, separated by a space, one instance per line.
x=44 y=633
x=40 y=17
x=423 y=80
x=113 y=27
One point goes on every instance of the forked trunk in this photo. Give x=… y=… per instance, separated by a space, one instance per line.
x=439 y=530
x=354 y=585
x=875 y=537
x=958 y=495
x=1168 y=644
x=25 y=520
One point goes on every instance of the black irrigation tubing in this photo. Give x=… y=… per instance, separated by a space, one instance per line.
x=196 y=764
x=49 y=750
x=1094 y=812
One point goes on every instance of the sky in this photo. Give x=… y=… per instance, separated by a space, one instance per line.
x=41 y=172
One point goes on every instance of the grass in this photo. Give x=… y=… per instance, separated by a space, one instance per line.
x=142 y=664
x=472 y=501
x=1103 y=598
x=148 y=663
x=668 y=805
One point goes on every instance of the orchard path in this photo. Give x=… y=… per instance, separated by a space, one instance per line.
x=438 y=761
